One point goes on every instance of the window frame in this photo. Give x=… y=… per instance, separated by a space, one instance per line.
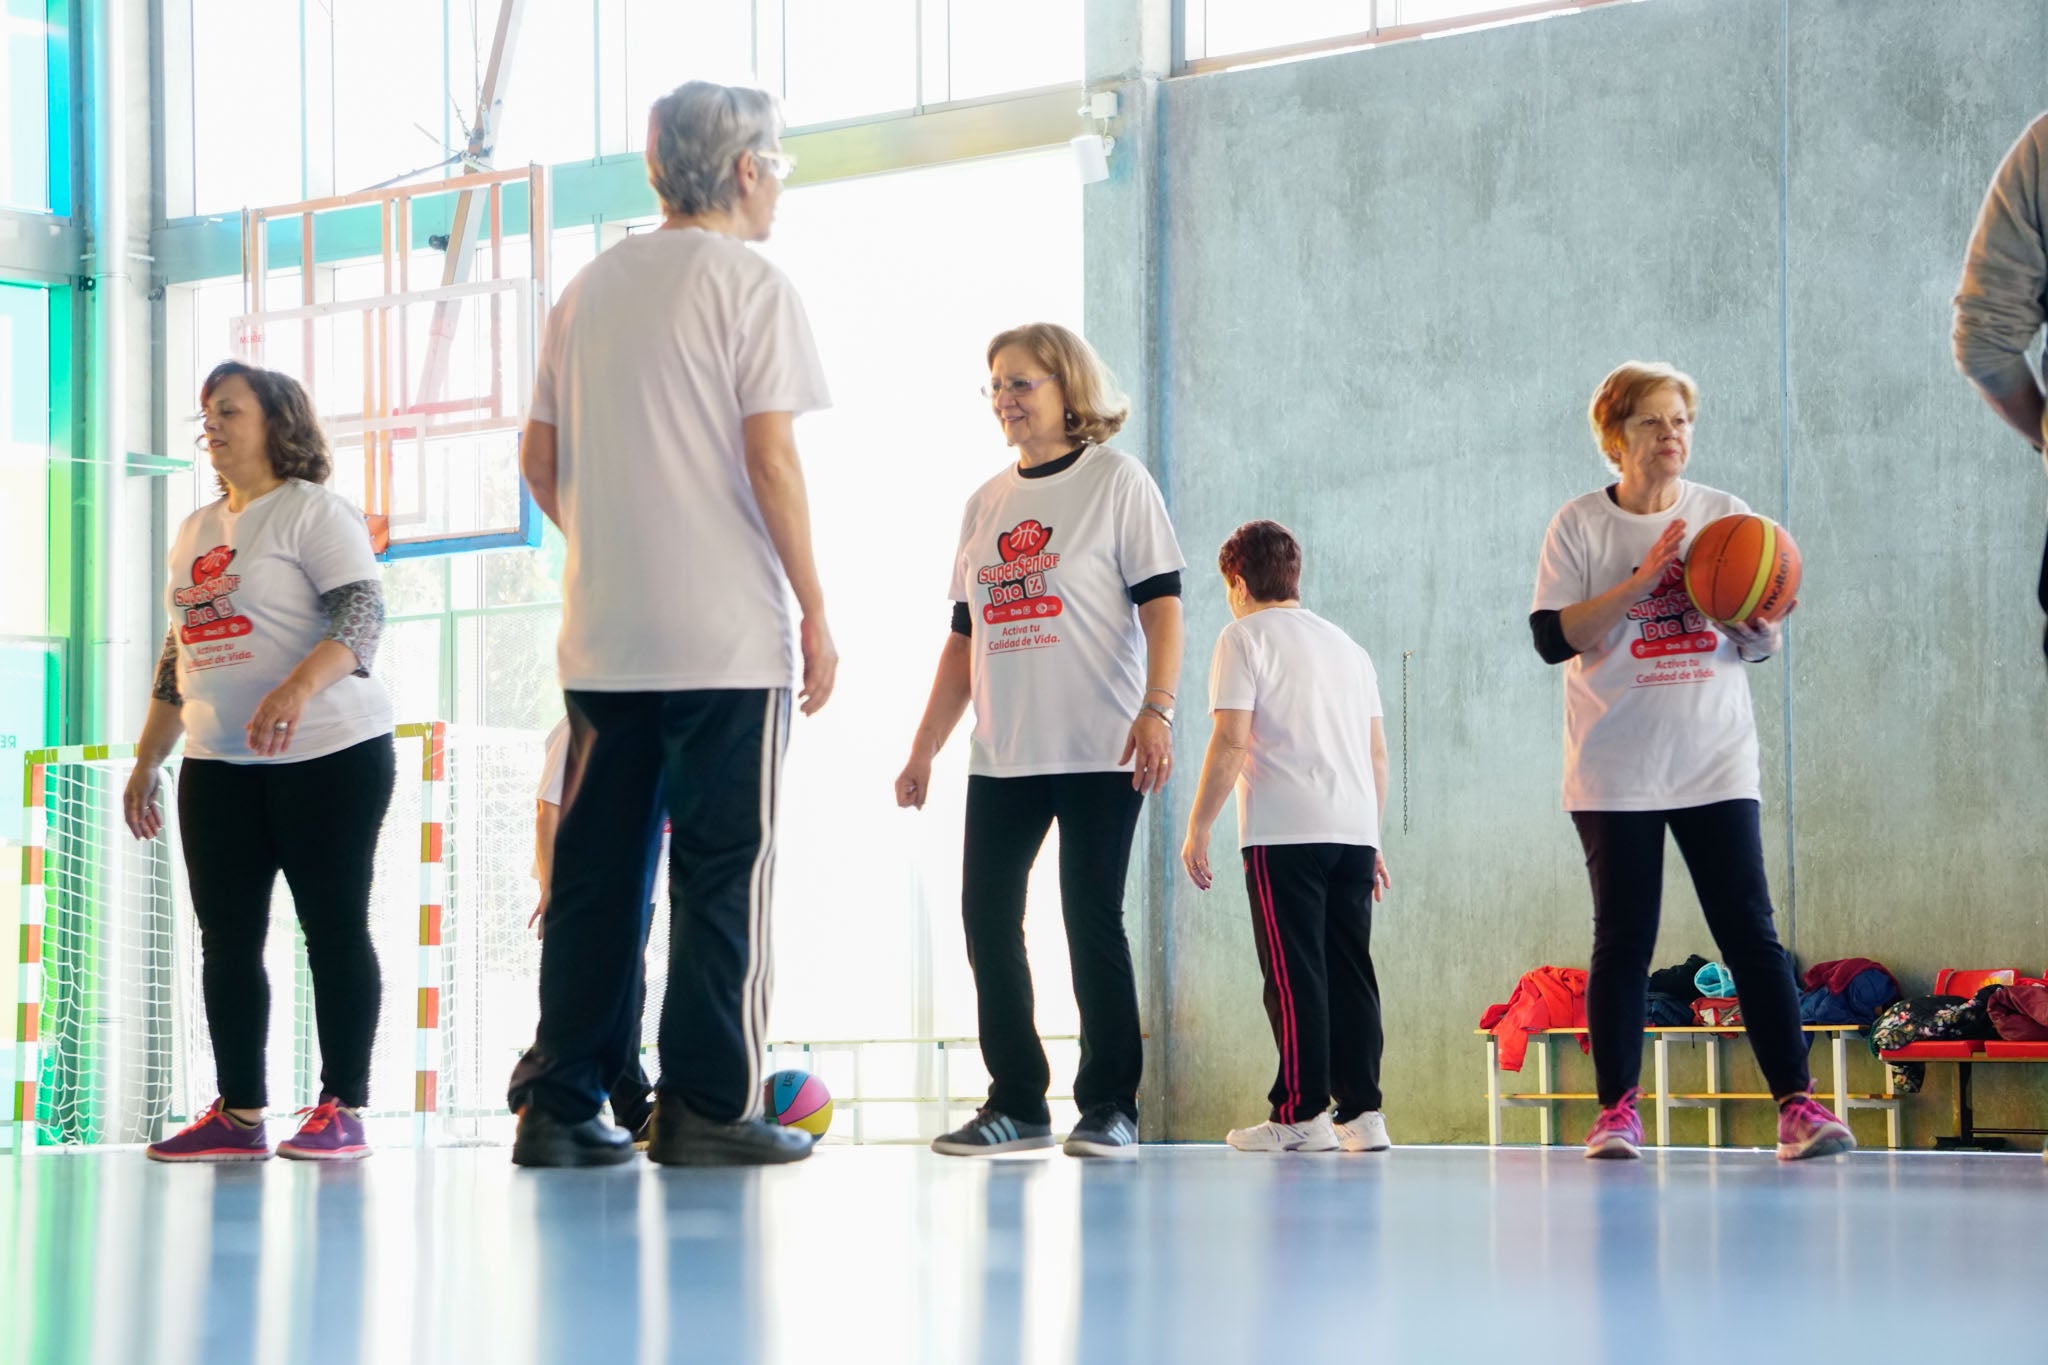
x=1189 y=27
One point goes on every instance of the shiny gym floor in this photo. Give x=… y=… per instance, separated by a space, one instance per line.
x=1191 y=1253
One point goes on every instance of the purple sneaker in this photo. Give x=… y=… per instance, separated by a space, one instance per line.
x=213 y=1136
x=1618 y=1133
x=331 y=1132
x=1806 y=1128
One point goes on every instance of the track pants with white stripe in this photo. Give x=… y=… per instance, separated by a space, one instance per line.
x=1312 y=922
x=711 y=761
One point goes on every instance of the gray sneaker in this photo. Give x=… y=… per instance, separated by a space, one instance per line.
x=1104 y=1130
x=990 y=1132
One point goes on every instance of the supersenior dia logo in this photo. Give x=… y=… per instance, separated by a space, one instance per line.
x=209 y=604
x=1017 y=585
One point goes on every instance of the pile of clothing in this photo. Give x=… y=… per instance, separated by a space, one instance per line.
x=2018 y=1012
x=1849 y=990
x=1549 y=997
x=1672 y=991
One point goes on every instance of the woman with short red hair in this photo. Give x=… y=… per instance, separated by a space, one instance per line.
x=1660 y=734
x=1298 y=733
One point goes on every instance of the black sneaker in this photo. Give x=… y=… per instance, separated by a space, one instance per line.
x=545 y=1140
x=991 y=1131
x=1104 y=1130
x=681 y=1138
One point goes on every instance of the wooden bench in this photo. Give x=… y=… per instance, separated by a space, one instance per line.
x=1545 y=1098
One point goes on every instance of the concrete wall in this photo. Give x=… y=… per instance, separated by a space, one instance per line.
x=1383 y=286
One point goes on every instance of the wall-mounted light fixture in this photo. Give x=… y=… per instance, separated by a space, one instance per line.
x=1091 y=150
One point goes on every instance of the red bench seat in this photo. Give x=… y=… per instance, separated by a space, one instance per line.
x=1932 y=1050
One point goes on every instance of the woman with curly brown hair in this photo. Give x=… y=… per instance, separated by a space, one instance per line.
x=275 y=610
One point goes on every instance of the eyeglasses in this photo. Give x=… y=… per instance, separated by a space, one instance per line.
x=1013 y=388
x=777 y=163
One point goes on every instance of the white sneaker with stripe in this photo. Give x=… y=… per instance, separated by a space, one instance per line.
x=1272 y=1136
x=1366 y=1132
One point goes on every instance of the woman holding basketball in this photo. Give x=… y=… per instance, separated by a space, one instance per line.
x=275 y=612
x=1067 y=639
x=1660 y=733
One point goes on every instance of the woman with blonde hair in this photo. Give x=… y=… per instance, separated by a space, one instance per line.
x=1660 y=734
x=1066 y=637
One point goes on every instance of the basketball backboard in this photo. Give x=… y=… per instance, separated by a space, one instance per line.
x=421 y=383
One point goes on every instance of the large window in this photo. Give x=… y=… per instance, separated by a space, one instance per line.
x=867 y=896
x=270 y=103
x=245 y=118
x=550 y=111
x=25 y=459
x=391 y=112
x=845 y=58
x=30 y=667
x=24 y=105
x=1223 y=28
x=662 y=44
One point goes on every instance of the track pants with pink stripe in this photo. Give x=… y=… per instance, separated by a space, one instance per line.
x=1312 y=922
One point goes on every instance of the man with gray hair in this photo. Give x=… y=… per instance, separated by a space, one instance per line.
x=2003 y=299
x=660 y=441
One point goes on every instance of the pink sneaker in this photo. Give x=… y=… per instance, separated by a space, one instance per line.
x=331 y=1131
x=213 y=1136
x=1806 y=1128
x=1618 y=1133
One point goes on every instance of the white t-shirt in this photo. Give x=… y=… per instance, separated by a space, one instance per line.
x=657 y=352
x=1657 y=716
x=244 y=601
x=1046 y=566
x=1313 y=695
x=554 y=768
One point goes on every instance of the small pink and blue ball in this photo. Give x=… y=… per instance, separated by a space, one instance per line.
x=797 y=1099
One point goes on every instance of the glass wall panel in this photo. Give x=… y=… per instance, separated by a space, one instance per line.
x=1218 y=28
x=247 y=116
x=846 y=58
x=24 y=105
x=393 y=114
x=550 y=113
x=995 y=48
x=667 y=44
x=25 y=460
x=865 y=891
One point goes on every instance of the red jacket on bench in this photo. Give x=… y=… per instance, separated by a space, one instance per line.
x=1549 y=997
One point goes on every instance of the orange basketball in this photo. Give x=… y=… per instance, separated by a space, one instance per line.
x=1741 y=568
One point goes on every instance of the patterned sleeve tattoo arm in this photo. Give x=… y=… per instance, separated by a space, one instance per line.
x=166 y=686
x=355 y=617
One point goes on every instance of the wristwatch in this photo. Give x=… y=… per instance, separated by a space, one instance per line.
x=1164 y=713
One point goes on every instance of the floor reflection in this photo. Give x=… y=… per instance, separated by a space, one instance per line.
x=1188 y=1254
